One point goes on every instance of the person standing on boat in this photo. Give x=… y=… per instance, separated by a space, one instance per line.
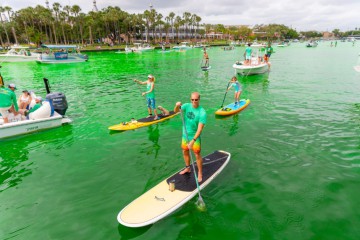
x=150 y=95
x=7 y=102
x=206 y=57
x=247 y=54
x=235 y=83
x=268 y=51
x=194 y=120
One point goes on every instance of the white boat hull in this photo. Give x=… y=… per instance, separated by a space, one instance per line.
x=51 y=59
x=251 y=69
x=12 y=58
x=28 y=126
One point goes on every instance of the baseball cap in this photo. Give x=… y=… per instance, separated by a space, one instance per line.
x=11 y=85
x=150 y=76
x=39 y=98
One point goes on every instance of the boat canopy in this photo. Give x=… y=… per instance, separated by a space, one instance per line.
x=59 y=46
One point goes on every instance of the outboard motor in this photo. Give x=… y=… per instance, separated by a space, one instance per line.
x=57 y=100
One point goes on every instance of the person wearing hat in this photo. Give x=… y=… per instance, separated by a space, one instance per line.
x=25 y=100
x=150 y=95
x=12 y=87
x=7 y=101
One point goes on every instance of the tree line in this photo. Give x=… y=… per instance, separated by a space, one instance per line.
x=68 y=25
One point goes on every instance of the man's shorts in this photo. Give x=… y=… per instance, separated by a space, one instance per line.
x=196 y=147
x=5 y=111
x=248 y=57
x=151 y=102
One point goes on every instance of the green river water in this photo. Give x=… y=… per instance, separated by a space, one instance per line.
x=294 y=171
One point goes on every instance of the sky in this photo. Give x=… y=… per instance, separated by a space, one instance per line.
x=301 y=15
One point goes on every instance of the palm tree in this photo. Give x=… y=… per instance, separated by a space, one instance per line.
x=171 y=18
x=186 y=18
x=160 y=23
x=2 y=10
x=177 y=24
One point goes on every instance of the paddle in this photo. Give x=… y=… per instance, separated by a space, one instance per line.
x=200 y=202
x=225 y=95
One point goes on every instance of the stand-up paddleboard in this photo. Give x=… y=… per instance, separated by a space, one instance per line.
x=205 y=68
x=143 y=122
x=233 y=108
x=159 y=201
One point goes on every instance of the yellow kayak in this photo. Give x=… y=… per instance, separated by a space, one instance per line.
x=143 y=122
x=233 y=108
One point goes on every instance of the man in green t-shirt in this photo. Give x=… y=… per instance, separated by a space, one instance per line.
x=195 y=120
x=7 y=101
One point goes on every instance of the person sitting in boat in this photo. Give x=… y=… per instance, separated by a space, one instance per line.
x=247 y=55
x=38 y=104
x=150 y=95
x=235 y=83
x=7 y=101
x=24 y=100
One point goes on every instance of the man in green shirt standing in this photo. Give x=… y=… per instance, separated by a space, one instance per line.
x=195 y=120
x=7 y=100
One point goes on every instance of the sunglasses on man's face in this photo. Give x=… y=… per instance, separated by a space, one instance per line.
x=194 y=100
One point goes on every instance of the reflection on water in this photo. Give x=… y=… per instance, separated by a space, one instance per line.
x=14 y=153
x=153 y=132
x=130 y=233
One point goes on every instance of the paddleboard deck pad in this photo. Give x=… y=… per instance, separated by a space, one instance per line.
x=233 y=108
x=159 y=201
x=134 y=124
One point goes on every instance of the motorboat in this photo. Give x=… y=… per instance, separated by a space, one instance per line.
x=56 y=54
x=182 y=46
x=253 y=69
x=141 y=47
x=200 y=45
x=312 y=44
x=19 y=54
x=51 y=114
x=257 y=65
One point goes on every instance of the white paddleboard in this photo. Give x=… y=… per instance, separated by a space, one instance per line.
x=159 y=201
x=204 y=68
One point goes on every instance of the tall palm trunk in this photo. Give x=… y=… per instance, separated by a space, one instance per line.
x=63 y=32
x=53 y=25
x=13 y=31
x=6 y=33
x=90 y=35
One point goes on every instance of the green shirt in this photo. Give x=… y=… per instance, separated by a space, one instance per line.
x=7 y=98
x=148 y=88
x=35 y=107
x=269 y=50
x=192 y=118
x=248 y=51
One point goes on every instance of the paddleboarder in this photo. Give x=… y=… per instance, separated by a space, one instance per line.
x=194 y=122
x=235 y=83
x=206 y=57
x=150 y=95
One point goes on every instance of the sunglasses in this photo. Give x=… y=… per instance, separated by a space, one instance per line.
x=195 y=100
